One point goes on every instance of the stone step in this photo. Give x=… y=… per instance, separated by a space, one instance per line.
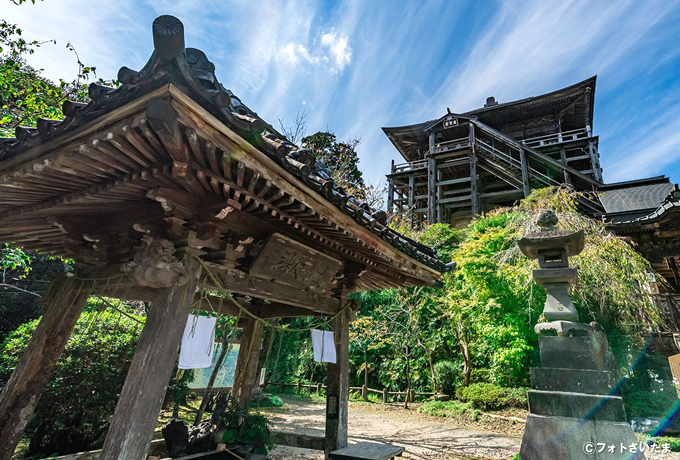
x=576 y=405
x=572 y=380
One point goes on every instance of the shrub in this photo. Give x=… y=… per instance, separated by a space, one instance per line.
x=444 y=408
x=270 y=401
x=487 y=396
x=76 y=407
x=516 y=397
x=449 y=376
x=480 y=375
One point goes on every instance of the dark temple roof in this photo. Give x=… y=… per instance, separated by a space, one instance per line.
x=192 y=73
x=575 y=103
x=631 y=196
x=638 y=200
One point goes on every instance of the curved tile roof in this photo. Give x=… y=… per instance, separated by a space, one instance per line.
x=190 y=70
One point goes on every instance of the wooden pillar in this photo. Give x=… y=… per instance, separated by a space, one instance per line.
x=474 y=193
x=594 y=160
x=411 y=190
x=337 y=391
x=431 y=177
x=563 y=160
x=140 y=401
x=439 y=196
x=525 y=172
x=245 y=375
x=390 y=194
x=65 y=301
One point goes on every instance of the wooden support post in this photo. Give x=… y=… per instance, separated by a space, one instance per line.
x=431 y=179
x=563 y=160
x=431 y=197
x=246 y=364
x=525 y=172
x=385 y=395
x=390 y=193
x=474 y=193
x=438 y=197
x=65 y=301
x=364 y=392
x=337 y=391
x=411 y=190
x=595 y=162
x=670 y=261
x=147 y=379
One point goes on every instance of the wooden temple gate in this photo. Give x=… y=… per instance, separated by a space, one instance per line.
x=170 y=183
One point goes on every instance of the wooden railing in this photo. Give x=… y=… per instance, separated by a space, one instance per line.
x=463 y=142
x=404 y=167
x=556 y=138
x=385 y=393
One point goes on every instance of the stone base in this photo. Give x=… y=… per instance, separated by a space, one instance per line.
x=576 y=405
x=548 y=437
x=591 y=352
x=572 y=380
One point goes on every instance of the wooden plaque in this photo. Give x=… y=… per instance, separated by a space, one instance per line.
x=292 y=263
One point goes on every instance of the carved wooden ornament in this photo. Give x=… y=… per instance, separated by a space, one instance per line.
x=154 y=265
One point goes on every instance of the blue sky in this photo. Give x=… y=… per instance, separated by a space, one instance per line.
x=355 y=66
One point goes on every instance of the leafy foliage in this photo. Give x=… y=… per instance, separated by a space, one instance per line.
x=341 y=158
x=444 y=408
x=246 y=428
x=74 y=411
x=449 y=376
x=77 y=405
x=25 y=95
x=487 y=396
x=24 y=277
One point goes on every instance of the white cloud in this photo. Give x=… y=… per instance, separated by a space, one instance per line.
x=333 y=51
x=356 y=66
x=338 y=47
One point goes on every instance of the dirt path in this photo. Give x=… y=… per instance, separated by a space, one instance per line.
x=423 y=437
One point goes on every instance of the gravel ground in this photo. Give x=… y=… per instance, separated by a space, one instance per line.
x=423 y=437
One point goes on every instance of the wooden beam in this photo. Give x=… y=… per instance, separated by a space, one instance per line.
x=140 y=400
x=245 y=374
x=501 y=193
x=454 y=181
x=240 y=150
x=239 y=282
x=337 y=391
x=65 y=300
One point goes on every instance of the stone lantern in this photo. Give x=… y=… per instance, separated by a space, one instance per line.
x=573 y=406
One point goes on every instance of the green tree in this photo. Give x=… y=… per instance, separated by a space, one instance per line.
x=340 y=158
x=25 y=95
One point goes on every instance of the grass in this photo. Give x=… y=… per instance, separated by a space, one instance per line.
x=673 y=442
x=447 y=409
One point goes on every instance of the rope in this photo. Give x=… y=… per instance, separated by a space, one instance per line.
x=229 y=295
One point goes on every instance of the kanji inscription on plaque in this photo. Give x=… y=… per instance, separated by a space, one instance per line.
x=295 y=264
